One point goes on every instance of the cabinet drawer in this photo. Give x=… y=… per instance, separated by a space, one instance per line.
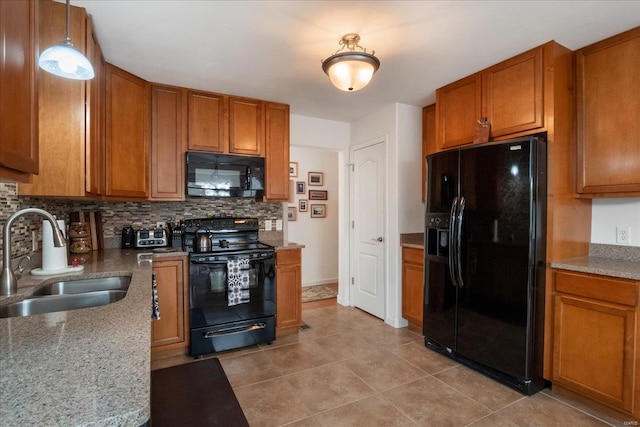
x=288 y=256
x=618 y=291
x=413 y=255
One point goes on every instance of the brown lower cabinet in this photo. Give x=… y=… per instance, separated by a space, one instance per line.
x=171 y=332
x=288 y=290
x=412 y=285
x=595 y=352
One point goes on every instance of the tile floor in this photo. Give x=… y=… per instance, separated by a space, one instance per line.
x=350 y=369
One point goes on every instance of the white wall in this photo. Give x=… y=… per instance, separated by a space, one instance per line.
x=332 y=136
x=607 y=214
x=401 y=126
x=319 y=235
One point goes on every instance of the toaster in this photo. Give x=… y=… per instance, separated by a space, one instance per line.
x=156 y=238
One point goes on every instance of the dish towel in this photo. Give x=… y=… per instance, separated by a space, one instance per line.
x=238 y=280
x=155 y=307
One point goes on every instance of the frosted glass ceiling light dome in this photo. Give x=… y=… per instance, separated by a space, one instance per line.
x=351 y=70
x=64 y=60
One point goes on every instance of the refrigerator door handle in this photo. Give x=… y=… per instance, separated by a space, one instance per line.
x=452 y=241
x=461 y=205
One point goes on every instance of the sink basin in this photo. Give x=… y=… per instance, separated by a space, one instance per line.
x=118 y=283
x=52 y=303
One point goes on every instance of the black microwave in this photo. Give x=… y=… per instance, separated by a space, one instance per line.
x=223 y=175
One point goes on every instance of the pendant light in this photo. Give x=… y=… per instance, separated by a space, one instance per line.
x=64 y=60
x=351 y=70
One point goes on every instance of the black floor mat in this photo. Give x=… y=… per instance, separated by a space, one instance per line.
x=195 y=394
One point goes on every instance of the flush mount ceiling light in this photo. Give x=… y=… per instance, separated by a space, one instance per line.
x=348 y=69
x=64 y=60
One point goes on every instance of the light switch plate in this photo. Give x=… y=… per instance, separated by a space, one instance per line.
x=278 y=225
x=267 y=225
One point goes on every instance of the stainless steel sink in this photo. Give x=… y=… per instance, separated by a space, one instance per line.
x=119 y=283
x=52 y=303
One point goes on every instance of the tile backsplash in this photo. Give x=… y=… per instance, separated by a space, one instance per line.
x=116 y=215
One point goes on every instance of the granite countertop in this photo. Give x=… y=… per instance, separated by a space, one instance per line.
x=412 y=240
x=81 y=367
x=283 y=244
x=606 y=260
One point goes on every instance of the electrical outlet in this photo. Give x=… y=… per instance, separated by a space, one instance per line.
x=160 y=224
x=623 y=235
x=34 y=240
x=267 y=225
x=278 y=225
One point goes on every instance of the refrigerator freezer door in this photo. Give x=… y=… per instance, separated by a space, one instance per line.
x=496 y=182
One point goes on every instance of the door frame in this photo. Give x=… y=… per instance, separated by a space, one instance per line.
x=351 y=247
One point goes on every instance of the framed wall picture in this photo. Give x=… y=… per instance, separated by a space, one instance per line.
x=316 y=178
x=291 y=213
x=318 y=211
x=293 y=169
x=317 y=194
x=303 y=205
x=300 y=187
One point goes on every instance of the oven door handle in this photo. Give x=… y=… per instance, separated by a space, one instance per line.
x=241 y=329
x=251 y=260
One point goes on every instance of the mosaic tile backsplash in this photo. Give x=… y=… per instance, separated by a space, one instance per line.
x=116 y=215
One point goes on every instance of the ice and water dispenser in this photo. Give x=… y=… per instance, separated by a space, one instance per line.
x=437 y=236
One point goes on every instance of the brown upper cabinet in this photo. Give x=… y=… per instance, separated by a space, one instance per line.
x=63 y=115
x=168 y=136
x=126 y=134
x=246 y=126
x=19 y=90
x=276 y=151
x=509 y=95
x=608 y=111
x=208 y=121
x=428 y=141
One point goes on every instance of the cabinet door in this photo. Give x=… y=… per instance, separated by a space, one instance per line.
x=62 y=109
x=246 y=126
x=208 y=124
x=288 y=288
x=94 y=118
x=18 y=89
x=458 y=109
x=512 y=94
x=428 y=141
x=127 y=140
x=277 y=151
x=412 y=285
x=594 y=349
x=171 y=330
x=608 y=108
x=167 y=143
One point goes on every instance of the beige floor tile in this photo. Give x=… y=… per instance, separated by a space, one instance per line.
x=479 y=388
x=544 y=411
x=298 y=357
x=271 y=403
x=328 y=386
x=385 y=335
x=249 y=368
x=430 y=402
x=307 y=422
x=372 y=411
x=424 y=358
x=493 y=420
x=346 y=345
x=383 y=370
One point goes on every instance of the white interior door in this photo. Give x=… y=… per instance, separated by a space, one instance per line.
x=367 y=233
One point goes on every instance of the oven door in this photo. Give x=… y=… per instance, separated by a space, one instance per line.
x=208 y=289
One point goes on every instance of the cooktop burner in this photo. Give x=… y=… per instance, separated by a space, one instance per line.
x=226 y=234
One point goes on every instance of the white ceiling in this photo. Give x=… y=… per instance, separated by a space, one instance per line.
x=272 y=50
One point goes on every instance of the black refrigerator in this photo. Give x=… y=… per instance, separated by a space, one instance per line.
x=484 y=266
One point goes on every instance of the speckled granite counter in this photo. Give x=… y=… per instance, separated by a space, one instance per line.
x=606 y=260
x=412 y=240
x=283 y=244
x=81 y=367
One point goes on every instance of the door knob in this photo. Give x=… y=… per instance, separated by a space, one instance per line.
x=379 y=239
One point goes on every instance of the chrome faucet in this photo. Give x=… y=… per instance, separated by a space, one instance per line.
x=8 y=282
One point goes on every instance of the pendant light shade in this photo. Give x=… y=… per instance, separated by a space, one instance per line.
x=64 y=60
x=350 y=70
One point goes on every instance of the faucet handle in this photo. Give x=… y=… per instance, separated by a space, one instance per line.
x=24 y=262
